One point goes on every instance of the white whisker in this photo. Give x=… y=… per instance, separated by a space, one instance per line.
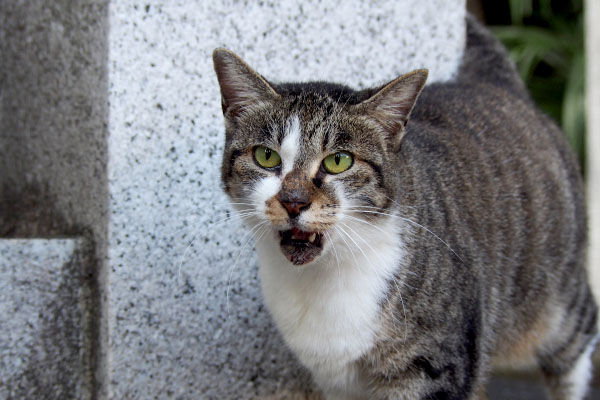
x=381 y=208
x=353 y=241
x=403 y=310
x=236 y=216
x=249 y=233
x=376 y=271
x=334 y=252
x=417 y=224
x=243 y=204
x=368 y=223
x=405 y=271
x=337 y=228
x=183 y=257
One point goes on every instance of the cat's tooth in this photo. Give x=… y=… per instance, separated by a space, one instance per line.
x=312 y=237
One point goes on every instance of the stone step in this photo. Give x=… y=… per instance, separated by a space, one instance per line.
x=45 y=320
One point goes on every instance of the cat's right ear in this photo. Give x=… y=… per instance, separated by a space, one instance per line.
x=392 y=104
x=241 y=86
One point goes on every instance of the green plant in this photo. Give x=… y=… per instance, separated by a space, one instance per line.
x=546 y=42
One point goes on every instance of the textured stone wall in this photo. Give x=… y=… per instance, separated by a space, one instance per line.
x=115 y=136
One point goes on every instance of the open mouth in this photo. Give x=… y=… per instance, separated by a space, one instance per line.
x=301 y=247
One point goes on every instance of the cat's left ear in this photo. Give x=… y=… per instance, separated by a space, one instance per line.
x=391 y=105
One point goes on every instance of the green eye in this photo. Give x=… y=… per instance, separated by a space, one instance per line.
x=266 y=158
x=337 y=163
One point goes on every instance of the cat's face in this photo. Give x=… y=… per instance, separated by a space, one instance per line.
x=303 y=161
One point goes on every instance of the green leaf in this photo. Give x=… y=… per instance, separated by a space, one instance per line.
x=573 y=106
x=519 y=9
x=551 y=59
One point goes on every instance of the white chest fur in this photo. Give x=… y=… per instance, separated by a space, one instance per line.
x=328 y=311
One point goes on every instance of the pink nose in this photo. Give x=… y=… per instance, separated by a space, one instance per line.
x=294 y=207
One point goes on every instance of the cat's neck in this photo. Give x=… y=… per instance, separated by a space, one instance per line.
x=323 y=308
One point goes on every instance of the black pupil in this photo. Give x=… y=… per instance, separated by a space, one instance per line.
x=267 y=154
x=337 y=159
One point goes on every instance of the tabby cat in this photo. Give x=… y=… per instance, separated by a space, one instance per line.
x=403 y=259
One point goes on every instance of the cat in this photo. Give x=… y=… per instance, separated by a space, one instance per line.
x=410 y=237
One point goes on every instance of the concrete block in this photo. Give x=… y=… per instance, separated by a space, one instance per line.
x=185 y=314
x=53 y=144
x=44 y=347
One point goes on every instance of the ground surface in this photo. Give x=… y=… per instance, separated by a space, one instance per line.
x=515 y=388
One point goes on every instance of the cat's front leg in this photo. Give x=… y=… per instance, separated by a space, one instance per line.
x=447 y=375
x=426 y=389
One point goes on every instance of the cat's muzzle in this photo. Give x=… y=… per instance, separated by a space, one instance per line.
x=301 y=247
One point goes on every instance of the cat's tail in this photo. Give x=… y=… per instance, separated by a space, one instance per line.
x=486 y=59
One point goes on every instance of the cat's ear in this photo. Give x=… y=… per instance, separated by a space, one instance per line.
x=240 y=85
x=391 y=105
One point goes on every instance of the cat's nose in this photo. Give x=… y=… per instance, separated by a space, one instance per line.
x=294 y=196
x=294 y=208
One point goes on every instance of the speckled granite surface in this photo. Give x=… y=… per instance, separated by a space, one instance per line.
x=42 y=320
x=173 y=332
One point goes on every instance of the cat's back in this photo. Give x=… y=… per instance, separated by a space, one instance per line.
x=499 y=171
x=497 y=156
x=493 y=145
x=479 y=119
x=506 y=152
x=495 y=178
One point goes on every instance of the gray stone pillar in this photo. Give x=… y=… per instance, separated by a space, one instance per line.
x=115 y=136
x=592 y=26
x=592 y=39
x=53 y=185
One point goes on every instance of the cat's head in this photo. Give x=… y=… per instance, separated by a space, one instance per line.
x=303 y=158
